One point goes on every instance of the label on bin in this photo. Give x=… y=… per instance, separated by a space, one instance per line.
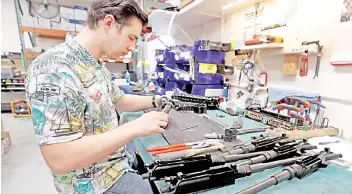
x=161 y=74
x=207 y=68
x=186 y=55
x=161 y=57
x=186 y=77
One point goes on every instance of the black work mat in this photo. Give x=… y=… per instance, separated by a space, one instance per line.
x=179 y=120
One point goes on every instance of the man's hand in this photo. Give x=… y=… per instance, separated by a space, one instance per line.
x=158 y=101
x=150 y=123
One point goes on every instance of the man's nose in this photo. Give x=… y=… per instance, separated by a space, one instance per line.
x=132 y=48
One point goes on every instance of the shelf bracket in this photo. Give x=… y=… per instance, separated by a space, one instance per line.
x=185 y=34
x=171 y=22
x=208 y=14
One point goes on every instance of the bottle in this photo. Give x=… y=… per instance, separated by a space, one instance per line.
x=263 y=79
x=127 y=76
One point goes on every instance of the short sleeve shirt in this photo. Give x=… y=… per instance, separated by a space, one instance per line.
x=71 y=96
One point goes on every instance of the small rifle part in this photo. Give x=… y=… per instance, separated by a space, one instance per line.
x=261 y=143
x=300 y=169
x=210 y=102
x=218 y=123
x=218 y=176
x=281 y=152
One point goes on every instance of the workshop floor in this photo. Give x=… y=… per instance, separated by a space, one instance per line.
x=23 y=169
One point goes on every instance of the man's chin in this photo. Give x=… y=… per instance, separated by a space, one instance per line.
x=113 y=57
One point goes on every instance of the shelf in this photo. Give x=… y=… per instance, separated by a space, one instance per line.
x=263 y=46
x=120 y=60
x=300 y=52
x=197 y=13
x=31 y=55
x=47 y=33
x=19 y=88
x=13 y=83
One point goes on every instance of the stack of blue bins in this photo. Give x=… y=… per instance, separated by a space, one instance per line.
x=172 y=68
x=203 y=82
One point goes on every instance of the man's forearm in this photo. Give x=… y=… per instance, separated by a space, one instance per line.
x=132 y=103
x=80 y=153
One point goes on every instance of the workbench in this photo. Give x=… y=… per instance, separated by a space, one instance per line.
x=333 y=179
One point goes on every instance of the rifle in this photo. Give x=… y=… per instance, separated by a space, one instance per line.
x=218 y=176
x=261 y=143
x=300 y=169
x=160 y=169
x=281 y=152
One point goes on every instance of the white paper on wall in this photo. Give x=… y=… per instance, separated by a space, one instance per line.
x=342 y=50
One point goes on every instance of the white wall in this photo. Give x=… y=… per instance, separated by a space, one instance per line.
x=210 y=31
x=309 y=20
x=10 y=41
x=9 y=31
x=321 y=24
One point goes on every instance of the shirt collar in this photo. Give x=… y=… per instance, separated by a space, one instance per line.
x=82 y=53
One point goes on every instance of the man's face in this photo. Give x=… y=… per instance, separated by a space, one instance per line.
x=119 y=41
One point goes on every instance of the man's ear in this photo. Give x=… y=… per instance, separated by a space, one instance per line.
x=108 y=21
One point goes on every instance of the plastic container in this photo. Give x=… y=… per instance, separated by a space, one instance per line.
x=207 y=90
x=206 y=56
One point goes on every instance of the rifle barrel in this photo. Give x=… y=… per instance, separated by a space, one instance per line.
x=276 y=179
x=236 y=157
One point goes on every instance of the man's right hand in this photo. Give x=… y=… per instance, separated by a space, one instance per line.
x=150 y=123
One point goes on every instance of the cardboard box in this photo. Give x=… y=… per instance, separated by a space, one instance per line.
x=5 y=142
x=44 y=23
x=79 y=24
x=29 y=21
x=63 y=25
x=81 y=13
x=67 y=13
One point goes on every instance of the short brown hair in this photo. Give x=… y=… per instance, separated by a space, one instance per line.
x=122 y=10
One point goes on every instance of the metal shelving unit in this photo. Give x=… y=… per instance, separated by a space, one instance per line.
x=18 y=10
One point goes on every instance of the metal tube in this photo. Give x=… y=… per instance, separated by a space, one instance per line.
x=259 y=159
x=243 y=149
x=260 y=167
x=284 y=175
x=236 y=157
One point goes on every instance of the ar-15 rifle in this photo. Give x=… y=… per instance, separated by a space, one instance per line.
x=281 y=151
x=218 y=176
x=300 y=169
x=261 y=143
x=160 y=169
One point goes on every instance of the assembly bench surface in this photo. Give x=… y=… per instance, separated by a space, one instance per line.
x=333 y=179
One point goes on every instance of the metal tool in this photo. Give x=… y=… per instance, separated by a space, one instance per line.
x=218 y=123
x=178 y=147
x=303 y=68
x=285 y=106
x=320 y=49
x=324 y=123
x=190 y=127
x=214 y=136
x=216 y=145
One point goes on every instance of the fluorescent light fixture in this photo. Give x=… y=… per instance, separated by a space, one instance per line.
x=230 y=5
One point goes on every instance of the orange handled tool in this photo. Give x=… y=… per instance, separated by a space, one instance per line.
x=303 y=68
x=159 y=148
x=178 y=147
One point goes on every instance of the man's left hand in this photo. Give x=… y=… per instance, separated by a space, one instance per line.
x=158 y=101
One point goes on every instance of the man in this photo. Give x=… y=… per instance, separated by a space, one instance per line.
x=73 y=105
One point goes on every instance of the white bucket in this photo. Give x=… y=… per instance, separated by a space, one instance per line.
x=229 y=107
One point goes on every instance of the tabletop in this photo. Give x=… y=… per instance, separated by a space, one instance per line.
x=333 y=179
